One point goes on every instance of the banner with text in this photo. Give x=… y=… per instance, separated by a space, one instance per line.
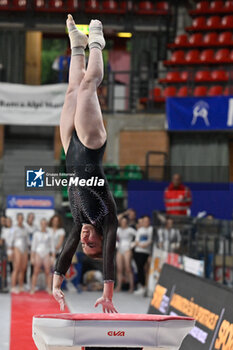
x=31 y=105
x=41 y=206
x=210 y=304
x=195 y=113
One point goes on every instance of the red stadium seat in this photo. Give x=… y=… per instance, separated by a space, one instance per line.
x=202 y=6
x=225 y=38
x=181 y=40
x=176 y=58
x=92 y=6
x=227 y=22
x=56 y=5
x=184 y=76
x=207 y=56
x=231 y=56
x=183 y=91
x=4 y=5
x=219 y=75
x=210 y=39
x=228 y=6
x=162 y=6
x=157 y=94
x=203 y=75
x=145 y=6
x=169 y=91
x=213 y=22
x=72 y=5
x=20 y=4
x=222 y=56
x=226 y=91
x=200 y=91
x=110 y=6
x=215 y=90
x=173 y=77
x=199 y=23
x=40 y=4
x=216 y=6
x=196 y=39
x=123 y=6
x=192 y=57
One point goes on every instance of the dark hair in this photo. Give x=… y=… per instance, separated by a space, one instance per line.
x=18 y=214
x=60 y=222
x=126 y=218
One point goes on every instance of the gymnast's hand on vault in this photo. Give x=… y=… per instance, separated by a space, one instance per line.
x=107 y=305
x=59 y=296
x=57 y=292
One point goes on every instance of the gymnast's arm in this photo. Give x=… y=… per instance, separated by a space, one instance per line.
x=109 y=246
x=63 y=263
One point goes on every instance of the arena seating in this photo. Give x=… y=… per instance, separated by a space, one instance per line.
x=151 y=7
x=209 y=8
x=206 y=49
x=212 y=23
x=200 y=40
x=91 y=6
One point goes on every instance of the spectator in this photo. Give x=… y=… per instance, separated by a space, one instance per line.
x=2 y=222
x=30 y=226
x=31 y=229
x=142 y=251
x=177 y=197
x=125 y=236
x=139 y=222
x=131 y=215
x=20 y=244
x=169 y=238
x=61 y=66
x=42 y=248
x=7 y=236
x=58 y=232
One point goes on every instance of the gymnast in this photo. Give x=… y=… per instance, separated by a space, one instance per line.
x=83 y=138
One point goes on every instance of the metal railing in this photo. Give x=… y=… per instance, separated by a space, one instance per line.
x=210 y=240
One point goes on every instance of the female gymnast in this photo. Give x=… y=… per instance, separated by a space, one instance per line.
x=42 y=254
x=84 y=140
x=20 y=244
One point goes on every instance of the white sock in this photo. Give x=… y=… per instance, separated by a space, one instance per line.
x=78 y=40
x=96 y=37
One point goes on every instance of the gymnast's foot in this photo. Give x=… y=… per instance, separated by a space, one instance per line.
x=96 y=36
x=78 y=40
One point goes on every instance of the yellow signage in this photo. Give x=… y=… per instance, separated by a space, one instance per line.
x=84 y=28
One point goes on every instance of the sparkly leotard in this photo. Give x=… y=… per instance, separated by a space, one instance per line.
x=90 y=204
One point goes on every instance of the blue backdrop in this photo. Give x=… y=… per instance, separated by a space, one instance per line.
x=200 y=113
x=216 y=199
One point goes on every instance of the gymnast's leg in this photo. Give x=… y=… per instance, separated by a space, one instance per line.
x=88 y=117
x=78 y=42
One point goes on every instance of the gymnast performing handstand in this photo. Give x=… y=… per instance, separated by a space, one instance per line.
x=84 y=140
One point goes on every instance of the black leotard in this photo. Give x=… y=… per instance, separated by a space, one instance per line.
x=89 y=204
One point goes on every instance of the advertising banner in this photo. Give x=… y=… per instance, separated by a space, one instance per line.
x=195 y=113
x=31 y=105
x=158 y=259
x=210 y=304
x=41 y=206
